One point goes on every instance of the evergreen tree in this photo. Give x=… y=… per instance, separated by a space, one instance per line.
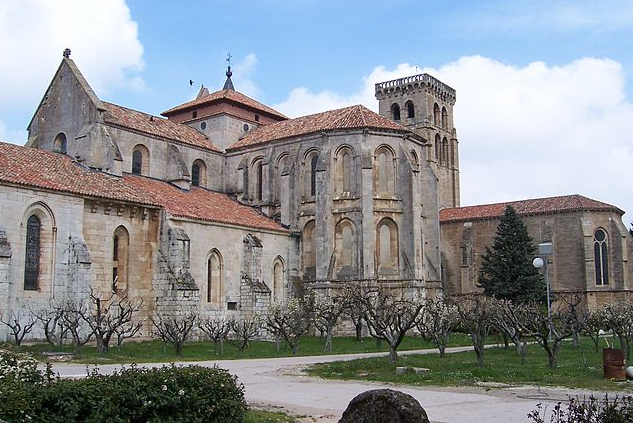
x=507 y=271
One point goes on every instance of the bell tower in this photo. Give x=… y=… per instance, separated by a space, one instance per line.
x=424 y=105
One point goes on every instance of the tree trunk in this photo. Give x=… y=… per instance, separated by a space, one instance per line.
x=522 y=350
x=328 y=340
x=179 y=346
x=478 y=344
x=359 y=330
x=506 y=341
x=442 y=349
x=575 y=340
x=393 y=355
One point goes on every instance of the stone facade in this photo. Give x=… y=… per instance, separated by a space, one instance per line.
x=226 y=206
x=573 y=266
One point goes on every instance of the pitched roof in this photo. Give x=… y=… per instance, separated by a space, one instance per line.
x=201 y=204
x=42 y=169
x=53 y=171
x=353 y=117
x=155 y=125
x=532 y=206
x=225 y=95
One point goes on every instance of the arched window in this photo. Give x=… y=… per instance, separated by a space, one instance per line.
x=310 y=170
x=384 y=172
x=278 y=279
x=32 y=255
x=120 y=259
x=345 y=245
x=445 y=151
x=414 y=158
x=140 y=160
x=309 y=246
x=258 y=180
x=198 y=173
x=410 y=109
x=281 y=165
x=436 y=115
x=444 y=118
x=344 y=171
x=601 y=257
x=395 y=112
x=214 y=278
x=60 y=144
x=437 y=148
x=387 y=244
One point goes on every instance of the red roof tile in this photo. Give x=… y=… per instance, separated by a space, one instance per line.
x=201 y=204
x=155 y=125
x=353 y=117
x=226 y=95
x=561 y=204
x=41 y=169
x=53 y=171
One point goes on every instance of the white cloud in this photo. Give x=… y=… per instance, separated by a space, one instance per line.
x=33 y=33
x=524 y=132
x=242 y=72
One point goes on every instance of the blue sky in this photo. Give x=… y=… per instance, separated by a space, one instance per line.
x=544 y=88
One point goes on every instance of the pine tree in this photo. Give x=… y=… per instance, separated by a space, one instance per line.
x=507 y=271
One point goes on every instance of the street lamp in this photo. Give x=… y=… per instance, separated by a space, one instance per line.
x=545 y=250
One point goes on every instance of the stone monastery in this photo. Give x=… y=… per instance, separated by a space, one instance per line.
x=224 y=204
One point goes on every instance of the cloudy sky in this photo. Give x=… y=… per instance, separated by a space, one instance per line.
x=544 y=89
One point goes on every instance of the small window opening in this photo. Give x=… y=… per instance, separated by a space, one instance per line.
x=256 y=118
x=194 y=114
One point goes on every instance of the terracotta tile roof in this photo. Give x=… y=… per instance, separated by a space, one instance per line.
x=532 y=206
x=47 y=170
x=155 y=125
x=352 y=117
x=201 y=204
x=53 y=171
x=226 y=95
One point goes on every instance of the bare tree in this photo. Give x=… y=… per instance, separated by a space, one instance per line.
x=217 y=329
x=475 y=313
x=390 y=318
x=175 y=329
x=549 y=332
x=53 y=323
x=594 y=327
x=577 y=313
x=355 y=309
x=72 y=312
x=290 y=321
x=619 y=318
x=20 y=324
x=327 y=312
x=509 y=317
x=436 y=321
x=243 y=329
x=108 y=316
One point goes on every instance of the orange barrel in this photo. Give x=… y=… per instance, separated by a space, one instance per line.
x=614 y=363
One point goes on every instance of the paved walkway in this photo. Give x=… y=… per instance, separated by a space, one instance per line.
x=278 y=383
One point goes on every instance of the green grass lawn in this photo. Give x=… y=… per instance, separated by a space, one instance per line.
x=157 y=351
x=581 y=368
x=259 y=416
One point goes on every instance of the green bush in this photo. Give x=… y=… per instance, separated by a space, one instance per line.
x=167 y=394
x=618 y=409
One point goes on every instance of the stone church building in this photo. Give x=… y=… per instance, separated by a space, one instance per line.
x=224 y=204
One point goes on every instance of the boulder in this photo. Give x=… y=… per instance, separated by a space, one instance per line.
x=384 y=406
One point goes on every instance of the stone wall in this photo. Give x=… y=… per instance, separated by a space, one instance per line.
x=571 y=268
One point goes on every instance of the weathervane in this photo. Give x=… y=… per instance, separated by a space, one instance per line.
x=228 y=72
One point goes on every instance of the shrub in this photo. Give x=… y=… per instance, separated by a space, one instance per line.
x=133 y=394
x=619 y=409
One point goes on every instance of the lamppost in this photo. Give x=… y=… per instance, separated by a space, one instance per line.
x=545 y=250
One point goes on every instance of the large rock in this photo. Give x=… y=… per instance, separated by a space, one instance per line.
x=384 y=406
